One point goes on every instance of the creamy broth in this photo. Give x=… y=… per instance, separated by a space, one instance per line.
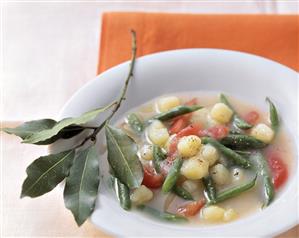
x=246 y=203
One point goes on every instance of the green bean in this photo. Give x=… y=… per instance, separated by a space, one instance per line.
x=233 y=192
x=135 y=123
x=123 y=194
x=262 y=168
x=237 y=120
x=242 y=142
x=181 y=192
x=229 y=153
x=243 y=153
x=158 y=157
x=162 y=215
x=210 y=190
x=274 y=118
x=172 y=175
x=177 y=111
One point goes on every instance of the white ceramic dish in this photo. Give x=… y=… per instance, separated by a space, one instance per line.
x=244 y=76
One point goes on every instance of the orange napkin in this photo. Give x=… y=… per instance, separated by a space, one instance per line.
x=271 y=36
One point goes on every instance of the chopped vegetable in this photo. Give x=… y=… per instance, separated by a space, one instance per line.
x=195 y=168
x=141 y=195
x=177 y=111
x=159 y=156
x=172 y=176
x=150 y=178
x=209 y=153
x=158 y=133
x=191 y=208
x=242 y=142
x=263 y=133
x=167 y=103
x=135 y=123
x=213 y=213
x=233 y=192
x=220 y=174
x=210 y=190
x=262 y=168
x=237 y=120
x=217 y=132
x=278 y=169
x=177 y=126
x=181 y=192
x=274 y=118
x=237 y=159
x=221 y=113
x=146 y=152
x=189 y=146
x=252 y=117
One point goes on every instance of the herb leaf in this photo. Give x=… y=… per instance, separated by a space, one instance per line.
x=27 y=129
x=48 y=133
x=46 y=172
x=81 y=188
x=122 y=157
x=31 y=127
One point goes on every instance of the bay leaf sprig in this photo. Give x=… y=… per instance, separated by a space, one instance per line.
x=80 y=165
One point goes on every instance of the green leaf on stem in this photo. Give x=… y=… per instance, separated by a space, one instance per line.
x=122 y=157
x=29 y=128
x=46 y=172
x=81 y=188
x=49 y=133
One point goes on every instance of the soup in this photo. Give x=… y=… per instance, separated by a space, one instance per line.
x=207 y=159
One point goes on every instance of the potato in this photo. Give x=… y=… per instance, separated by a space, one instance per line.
x=262 y=132
x=213 y=213
x=141 y=195
x=195 y=168
x=189 y=146
x=158 y=133
x=166 y=103
x=209 y=153
x=237 y=174
x=230 y=214
x=221 y=113
x=190 y=185
x=220 y=174
x=211 y=122
x=146 y=152
x=156 y=124
x=200 y=116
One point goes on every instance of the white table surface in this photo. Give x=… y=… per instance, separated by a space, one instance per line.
x=50 y=49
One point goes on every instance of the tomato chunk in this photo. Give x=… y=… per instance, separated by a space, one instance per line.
x=191 y=208
x=178 y=125
x=150 y=178
x=278 y=169
x=192 y=129
x=252 y=117
x=218 y=132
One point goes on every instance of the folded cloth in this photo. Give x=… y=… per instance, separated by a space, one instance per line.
x=271 y=36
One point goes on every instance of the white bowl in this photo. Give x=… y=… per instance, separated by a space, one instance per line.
x=248 y=77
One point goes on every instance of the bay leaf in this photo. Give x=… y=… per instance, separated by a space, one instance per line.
x=122 y=157
x=81 y=188
x=27 y=129
x=49 y=133
x=46 y=172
